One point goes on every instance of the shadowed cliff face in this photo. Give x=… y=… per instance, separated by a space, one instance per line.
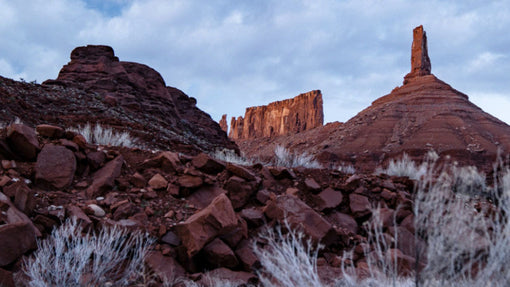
x=423 y=114
x=291 y=116
x=96 y=87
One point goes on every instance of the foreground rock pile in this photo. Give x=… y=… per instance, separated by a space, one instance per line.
x=206 y=214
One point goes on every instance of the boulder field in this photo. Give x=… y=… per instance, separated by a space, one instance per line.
x=205 y=214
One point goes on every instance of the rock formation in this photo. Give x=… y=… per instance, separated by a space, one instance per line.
x=420 y=62
x=290 y=116
x=223 y=123
x=96 y=87
x=423 y=114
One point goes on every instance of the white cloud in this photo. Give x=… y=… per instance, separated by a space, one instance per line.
x=494 y=104
x=230 y=55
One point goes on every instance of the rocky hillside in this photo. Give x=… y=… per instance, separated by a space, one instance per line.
x=205 y=214
x=301 y=113
x=421 y=115
x=95 y=87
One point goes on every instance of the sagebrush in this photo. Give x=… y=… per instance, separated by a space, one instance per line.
x=102 y=135
x=111 y=257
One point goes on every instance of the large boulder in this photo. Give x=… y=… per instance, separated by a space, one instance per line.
x=301 y=216
x=13 y=215
x=205 y=163
x=216 y=219
x=55 y=167
x=104 y=178
x=15 y=240
x=239 y=191
x=23 y=140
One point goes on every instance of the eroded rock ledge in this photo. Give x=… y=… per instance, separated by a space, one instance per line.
x=291 y=116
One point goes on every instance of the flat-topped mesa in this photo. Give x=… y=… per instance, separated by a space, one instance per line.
x=420 y=61
x=295 y=115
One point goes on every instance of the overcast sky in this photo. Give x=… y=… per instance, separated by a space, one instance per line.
x=233 y=54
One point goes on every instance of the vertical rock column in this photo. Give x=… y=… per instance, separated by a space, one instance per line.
x=420 y=61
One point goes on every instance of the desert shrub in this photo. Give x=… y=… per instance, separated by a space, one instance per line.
x=288 y=259
x=229 y=155
x=283 y=157
x=465 y=240
x=346 y=168
x=105 y=136
x=111 y=257
x=467 y=180
x=405 y=167
x=468 y=240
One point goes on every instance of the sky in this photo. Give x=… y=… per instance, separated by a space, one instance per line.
x=230 y=55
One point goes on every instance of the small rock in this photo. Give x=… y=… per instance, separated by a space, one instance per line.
x=292 y=191
x=138 y=180
x=328 y=199
x=240 y=172
x=96 y=210
x=96 y=159
x=171 y=239
x=169 y=214
x=239 y=191
x=158 y=182
x=359 y=204
x=312 y=185
x=50 y=131
x=8 y=164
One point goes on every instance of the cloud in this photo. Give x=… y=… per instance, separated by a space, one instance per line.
x=234 y=54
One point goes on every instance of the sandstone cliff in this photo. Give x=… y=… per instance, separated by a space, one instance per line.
x=290 y=116
x=423 y=114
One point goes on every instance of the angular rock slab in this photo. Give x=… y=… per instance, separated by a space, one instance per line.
x=216 y=219
x=23 y=140
x=15 y=240
x=218 y=254
x=55 y=167
x=299 y=215
x=104 y=178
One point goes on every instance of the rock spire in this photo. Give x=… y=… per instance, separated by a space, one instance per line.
x=420 y=61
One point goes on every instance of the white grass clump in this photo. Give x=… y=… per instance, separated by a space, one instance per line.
x=105 y=136
x=228 y=155
x=346 y=168
x=283 y=157
x=288 y=260
x=15 y=121
x=405 y=167
x=112 y=257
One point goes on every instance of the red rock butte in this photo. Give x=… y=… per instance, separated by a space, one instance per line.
x=96 y=87
x=423 y=114
x=285 y=117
